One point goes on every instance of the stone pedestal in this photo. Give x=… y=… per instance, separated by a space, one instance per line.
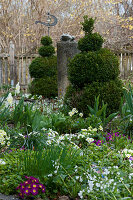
x=65 y=51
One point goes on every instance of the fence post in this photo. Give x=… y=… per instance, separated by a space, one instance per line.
x=11 y=62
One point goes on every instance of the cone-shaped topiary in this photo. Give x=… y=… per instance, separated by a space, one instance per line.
x=93 y=72
x=44 y=70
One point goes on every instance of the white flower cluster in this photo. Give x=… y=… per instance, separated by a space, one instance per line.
x=9 y=100
x=74 y=111
x=127 y=152
x=4 y=138
x=2 y=162
x=102 y=180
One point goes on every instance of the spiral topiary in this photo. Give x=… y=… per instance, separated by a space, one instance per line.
x=44 y=70
x=92 y=72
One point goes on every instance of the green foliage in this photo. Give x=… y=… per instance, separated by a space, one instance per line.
x=46 y=41
x=46 y=86
x=101 y=113
x=88 y=25
x=92 y=42
x=10 y=177
x=100 y=66
x=109 y=92
x=46 y=51
x=41 y=67
x=126 y=111
x=44 y=71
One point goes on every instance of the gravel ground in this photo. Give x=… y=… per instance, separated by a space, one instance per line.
x=6 y=197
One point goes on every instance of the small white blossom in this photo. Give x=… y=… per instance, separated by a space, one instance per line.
x=100 y=128
x=17 y=89
x=2 y=162
x=9 y=100
x=81 y=114
x=80 y=194
x=89 y=140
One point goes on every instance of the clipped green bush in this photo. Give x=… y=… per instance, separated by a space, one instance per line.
x=46 y=51
x=46 y=41
x=43 y=67
x=110 y=92
x=93 y=72
x=44 y=71
x=91 y=42
x=45 y=86
x=99 y=66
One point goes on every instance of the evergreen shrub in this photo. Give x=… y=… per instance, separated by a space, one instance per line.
x=46 y=86
x=43 y=67
x=110 y=92
x=46 y=51
x=92 y=42
x=46 y=41
x=93 y=72
x=99 y=66
x=44 y=71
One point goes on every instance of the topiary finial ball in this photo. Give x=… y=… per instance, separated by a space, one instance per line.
x=88 y=25
x=46 y=41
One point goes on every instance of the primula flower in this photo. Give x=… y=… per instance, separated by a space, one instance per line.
x=131 y=158
x=40 y=185
x=98 y=143
x=34 y=191
x=34 y=180
x=89 y=140
x=27 y=191
x=22 y=187
x=30 y=186
x=43 y=189
x=33 y=185
x=21 y=195
x=28 y=182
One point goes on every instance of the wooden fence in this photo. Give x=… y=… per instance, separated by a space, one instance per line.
x=15 y=68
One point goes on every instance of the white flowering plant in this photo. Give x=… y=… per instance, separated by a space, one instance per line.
x=4 y=139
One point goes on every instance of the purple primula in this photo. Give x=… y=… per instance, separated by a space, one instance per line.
x=27 y=191
x=34 y=191
x=99 y=142
x=41 y=186
x=34 y=180
x=30 y=186
x=34 y=185
x=43 y=189
x=28 y=182
x=131 y=158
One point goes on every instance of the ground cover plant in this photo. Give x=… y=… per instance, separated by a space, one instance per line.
x=64 y=154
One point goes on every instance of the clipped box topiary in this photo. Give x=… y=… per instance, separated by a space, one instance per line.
x=93 y=72
x=43 y=67
x=110 y=92
x=44 y=70
x=46 y=86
